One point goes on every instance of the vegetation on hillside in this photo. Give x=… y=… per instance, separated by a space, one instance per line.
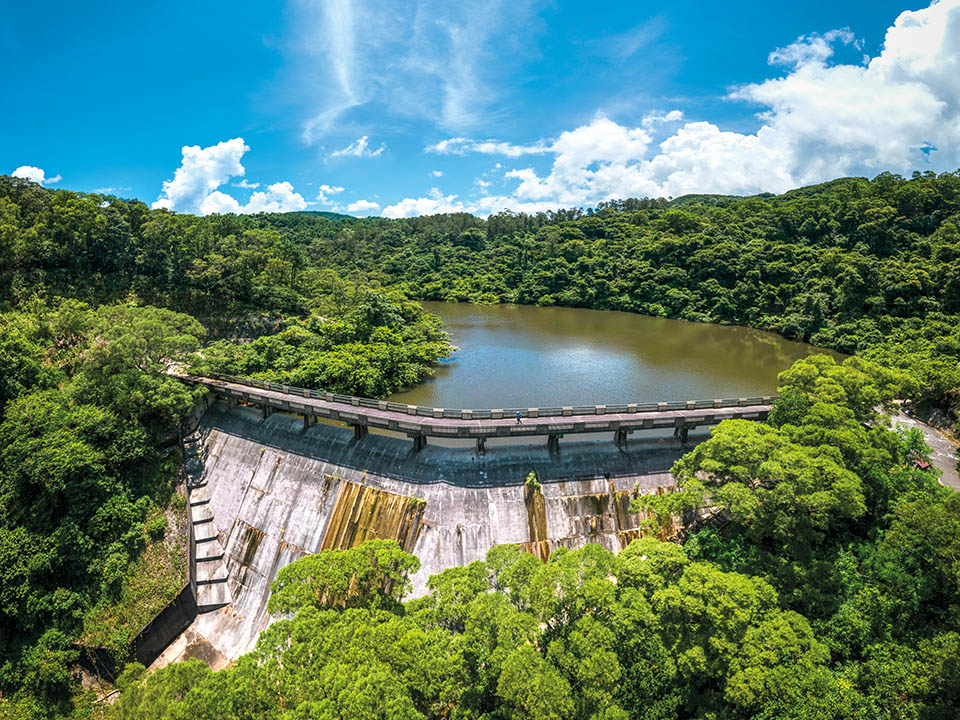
x=359 y=342
x=832 y=591
x=862 y=266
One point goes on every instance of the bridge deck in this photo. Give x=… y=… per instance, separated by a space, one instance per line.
x=446 y=423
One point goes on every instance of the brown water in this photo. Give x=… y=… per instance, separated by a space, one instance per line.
x=522 y=356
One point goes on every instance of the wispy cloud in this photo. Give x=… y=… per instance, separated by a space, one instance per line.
x=359 y=148
x=462 y=146
x=427 y=59
x=624 y=45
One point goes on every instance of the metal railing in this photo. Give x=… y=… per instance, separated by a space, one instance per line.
x=491 y=414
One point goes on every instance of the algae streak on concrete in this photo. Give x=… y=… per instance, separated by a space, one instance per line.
x=278 y=492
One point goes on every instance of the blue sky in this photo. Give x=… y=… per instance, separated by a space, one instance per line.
x=435 y=106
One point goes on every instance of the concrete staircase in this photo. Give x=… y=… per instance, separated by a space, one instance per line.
x=208 y=556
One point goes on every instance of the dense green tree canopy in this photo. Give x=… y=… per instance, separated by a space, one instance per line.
x=819 y=577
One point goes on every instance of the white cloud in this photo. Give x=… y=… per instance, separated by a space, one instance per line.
x=193 y=188
x=248 y=185
x=435 y=202
x=434 y=59
x=622 y=46
x=110 y=190
x=653 y=119
x=810 y=48
x=437 y=173
x=35 y=174
x=278 y=197
x=323 y=196
x=819 y=120
x=462 y=146
x=201 y=171
x=363 y=206
x=359 y=148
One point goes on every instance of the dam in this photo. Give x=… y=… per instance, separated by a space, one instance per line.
x=264 y=492
x=267 y=486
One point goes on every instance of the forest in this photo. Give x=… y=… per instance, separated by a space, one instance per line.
x=830 y=591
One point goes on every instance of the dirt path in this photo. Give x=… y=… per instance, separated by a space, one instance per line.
x=945 y=452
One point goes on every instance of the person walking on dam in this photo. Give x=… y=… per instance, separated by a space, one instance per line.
x=519 y=417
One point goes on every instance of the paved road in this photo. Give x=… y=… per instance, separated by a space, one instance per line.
x=945 y=452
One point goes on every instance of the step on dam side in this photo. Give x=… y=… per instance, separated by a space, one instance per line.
x=272 y=492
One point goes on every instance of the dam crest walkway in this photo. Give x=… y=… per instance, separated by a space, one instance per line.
x=419 y=422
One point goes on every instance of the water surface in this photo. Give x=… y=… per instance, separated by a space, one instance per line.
x=523 y=356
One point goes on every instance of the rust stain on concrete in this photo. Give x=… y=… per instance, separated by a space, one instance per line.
x=361 y=513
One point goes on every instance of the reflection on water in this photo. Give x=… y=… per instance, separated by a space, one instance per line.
x=522 y=356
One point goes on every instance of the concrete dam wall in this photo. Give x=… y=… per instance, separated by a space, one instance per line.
x=272 y=492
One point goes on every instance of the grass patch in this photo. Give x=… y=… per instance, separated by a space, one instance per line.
x=152 y=581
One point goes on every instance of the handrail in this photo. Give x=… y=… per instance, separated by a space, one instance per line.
x=492 y=413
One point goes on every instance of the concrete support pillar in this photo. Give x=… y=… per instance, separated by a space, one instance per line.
x=680 y=432
x=308 y=420
x=359 y=431
x=620 y=437
x=266 y=410
x=481 y=450
x=553 y=442
x=419 y=442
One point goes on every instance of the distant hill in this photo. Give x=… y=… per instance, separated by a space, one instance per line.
x=321 y=213
x=713 y=200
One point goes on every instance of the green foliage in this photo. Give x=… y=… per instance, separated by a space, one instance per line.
x=826 y=587
x=833 y=613
x=378 y=343
x=80 y=473
x=856 y=265
x=148 y=584
x=372 y=575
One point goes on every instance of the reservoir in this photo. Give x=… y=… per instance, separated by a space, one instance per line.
x=525 y=356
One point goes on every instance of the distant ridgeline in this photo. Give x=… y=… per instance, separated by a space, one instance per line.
x=871 y=267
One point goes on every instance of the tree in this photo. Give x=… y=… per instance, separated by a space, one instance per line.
x=533 y=689
x=373 y=574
